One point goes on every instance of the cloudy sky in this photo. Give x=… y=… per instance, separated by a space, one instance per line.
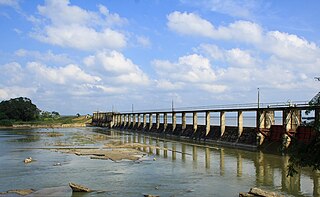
x=79 y=56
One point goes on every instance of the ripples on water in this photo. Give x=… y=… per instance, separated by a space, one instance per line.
x=179 y=169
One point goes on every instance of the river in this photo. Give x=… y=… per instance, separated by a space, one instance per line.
x=177 y=169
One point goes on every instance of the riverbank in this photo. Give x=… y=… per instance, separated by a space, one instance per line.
x=62 y=122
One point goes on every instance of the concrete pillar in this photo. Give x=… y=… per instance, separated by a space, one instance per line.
x=222 y=122
x=184 y=120
x=269 y=119
x=144 y=120
x=117 y=120
x=121 y=119
x=195 y=121
x=129 y=119
x=157 y=121
x=134 y=120
x=286 y=119
x=150 y=121
x=261 y=119
x=112 y=123
x=207 y=122
x=296 y=119
x=240 y=123
x=139 y=122
x=165 y=121
x=124 y=120
x=114 y=120
x=174 y=120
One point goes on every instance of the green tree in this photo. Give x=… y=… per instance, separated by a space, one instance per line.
x=307 y=155
x=19 y=109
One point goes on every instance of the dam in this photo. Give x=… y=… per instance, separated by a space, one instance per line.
x=216 y=128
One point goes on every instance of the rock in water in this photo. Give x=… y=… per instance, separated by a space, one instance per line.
x=27 y=160
x=78 y=188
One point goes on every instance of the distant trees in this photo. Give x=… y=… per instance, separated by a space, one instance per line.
x=18 y=109
x=45 y=115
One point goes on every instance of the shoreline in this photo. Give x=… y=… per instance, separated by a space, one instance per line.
x=36 y=126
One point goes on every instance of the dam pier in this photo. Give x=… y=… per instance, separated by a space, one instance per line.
x=274 y=123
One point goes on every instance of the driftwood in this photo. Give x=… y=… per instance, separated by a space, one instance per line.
x=254 y=192
x=78 y=188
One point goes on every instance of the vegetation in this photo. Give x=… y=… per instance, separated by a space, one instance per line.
x=18 y=109
x=306 y=155
x=22 y=111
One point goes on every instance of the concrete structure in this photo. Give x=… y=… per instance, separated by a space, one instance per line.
x=265 y=123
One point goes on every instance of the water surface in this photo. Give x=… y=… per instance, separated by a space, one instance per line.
x=176 y=169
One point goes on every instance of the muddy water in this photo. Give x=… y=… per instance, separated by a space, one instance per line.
x=170 y=168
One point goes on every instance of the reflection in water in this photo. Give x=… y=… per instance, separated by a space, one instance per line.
x=174 y=151
x=183 y=152
x=221 y=162
x=264 y=164
x=165 y=149
x=239 y=165
x=207 y=157
x=158 y=147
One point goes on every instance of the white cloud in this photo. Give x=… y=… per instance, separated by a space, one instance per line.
x=16 y=91
x=286 y=46
x=192 y=68
x=11 y=73
x=71 y=26
x=192 y=72
x=167 y=85
x=238 y=57
x=48 y=56
x=111 y=18
x=189 y=24
x=62 y=75
x=290 y=47
x=213 y=88
x=117 y=68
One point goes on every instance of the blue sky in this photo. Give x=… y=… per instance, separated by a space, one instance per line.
x=80 y=56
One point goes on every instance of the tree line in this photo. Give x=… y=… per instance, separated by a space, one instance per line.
x=22 y=109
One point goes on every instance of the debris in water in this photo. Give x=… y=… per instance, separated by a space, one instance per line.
x=78 y=188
